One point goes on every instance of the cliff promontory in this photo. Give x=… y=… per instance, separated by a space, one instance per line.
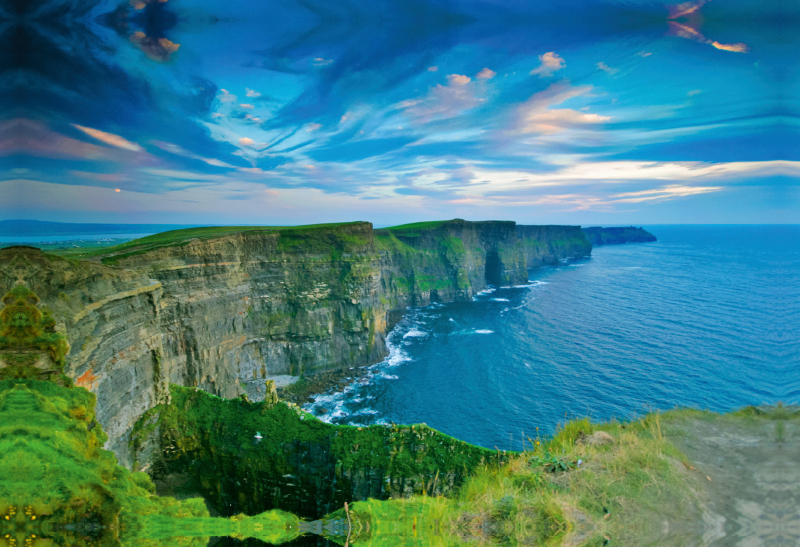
x=613 y=236
x=222 y=309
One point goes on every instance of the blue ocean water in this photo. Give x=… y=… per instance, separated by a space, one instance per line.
x=708 y=316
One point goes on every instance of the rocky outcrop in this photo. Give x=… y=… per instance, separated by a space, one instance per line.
x=613 y=236
x=222 y=312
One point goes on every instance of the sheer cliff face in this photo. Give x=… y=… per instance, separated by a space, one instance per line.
x=223 y=313
x=548 y=245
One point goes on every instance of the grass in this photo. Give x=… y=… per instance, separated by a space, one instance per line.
x=181 y=237
x=212 y=438
x=530 y=501
x=414 y=226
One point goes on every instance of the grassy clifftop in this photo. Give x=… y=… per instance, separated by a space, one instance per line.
x=175 y=238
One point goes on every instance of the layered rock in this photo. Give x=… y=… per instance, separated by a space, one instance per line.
x=224 y=311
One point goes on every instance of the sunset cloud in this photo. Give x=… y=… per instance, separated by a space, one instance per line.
x=537 y=116
x=550 y=63
x=110 y=138
x=486 y=74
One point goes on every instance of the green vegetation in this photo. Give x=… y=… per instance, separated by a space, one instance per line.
x=174 y=238
x=27 y=334
x=213 y=439
x=55 y=477
x=418 y=226
x=568 y=489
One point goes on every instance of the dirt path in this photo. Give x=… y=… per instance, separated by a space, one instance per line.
x=747 y=478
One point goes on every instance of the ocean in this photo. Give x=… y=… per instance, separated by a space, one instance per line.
x=706 y=317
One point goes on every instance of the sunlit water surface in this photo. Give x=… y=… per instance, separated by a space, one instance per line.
x=708 y=317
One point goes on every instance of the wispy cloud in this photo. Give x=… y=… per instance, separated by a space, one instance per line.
x=444 y=101
x=486 y=74
x=110 y=138
x=537 y=116
x=179 y=151
x=607 y=69
x=690 y=33
x=665 y=192
x=251 y=93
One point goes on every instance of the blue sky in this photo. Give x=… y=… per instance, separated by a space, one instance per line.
x=285 y=112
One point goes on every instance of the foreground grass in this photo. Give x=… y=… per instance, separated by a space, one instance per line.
x=564 y=491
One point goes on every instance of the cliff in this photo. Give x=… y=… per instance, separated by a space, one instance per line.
x=222 y=309
x=613 y=236
x=550 y=245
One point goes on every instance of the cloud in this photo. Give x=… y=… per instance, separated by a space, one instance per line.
x=607 y=69
x=644 y=54
x=179 y=151
x=537 y=116
x=319 y=61
x=156 y=49
x=251 y=93
x=684 y=9
x=738 y=47
x=313 y=127
x=226 y=96
x=486 y=74
x=246 y=141
x=694 y=92
x=612 y=172
x=443 y=101
x=433 y=68
x=690 y=33
x=247 y=106
x=458 y=79
x=110 y=138
x=550 y=63
x=665 y=192
x=33 y=138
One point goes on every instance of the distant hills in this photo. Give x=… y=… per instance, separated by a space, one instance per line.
x=39 y=228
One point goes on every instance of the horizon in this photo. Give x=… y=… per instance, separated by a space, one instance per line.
x=599 y=113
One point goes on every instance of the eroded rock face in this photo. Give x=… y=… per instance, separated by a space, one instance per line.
x=223 y=313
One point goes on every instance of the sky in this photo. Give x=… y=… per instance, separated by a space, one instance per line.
x=391 y=111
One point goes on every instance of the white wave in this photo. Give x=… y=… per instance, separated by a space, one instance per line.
x=451 y=319
x=389 y=377
x=535 y=283
x=499 y=299
x=484 y=331
x=490 y=290
x=414 y=333
x=365 y=411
